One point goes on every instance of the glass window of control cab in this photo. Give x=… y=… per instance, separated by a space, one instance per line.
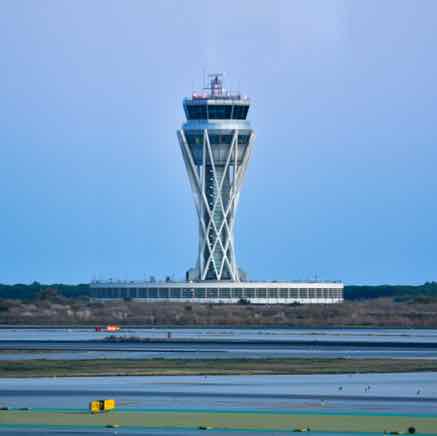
x=216 y=111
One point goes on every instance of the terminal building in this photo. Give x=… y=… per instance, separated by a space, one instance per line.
x=216 y=143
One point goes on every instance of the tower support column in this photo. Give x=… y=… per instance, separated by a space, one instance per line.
x=216 y=174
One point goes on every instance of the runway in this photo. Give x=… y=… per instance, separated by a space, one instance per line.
x=391 y=393
x=212 y=349
x=19 y=332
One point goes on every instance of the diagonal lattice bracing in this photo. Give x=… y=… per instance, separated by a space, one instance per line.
x=216 y=172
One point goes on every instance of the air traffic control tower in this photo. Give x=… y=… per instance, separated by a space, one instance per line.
x=216 y=142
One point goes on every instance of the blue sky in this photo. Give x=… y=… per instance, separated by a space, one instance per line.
x=342 y=181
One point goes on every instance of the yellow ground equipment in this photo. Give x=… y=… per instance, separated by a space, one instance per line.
x=98 y=406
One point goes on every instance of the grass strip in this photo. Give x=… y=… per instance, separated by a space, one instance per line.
x=154 y=367
x=218 y=420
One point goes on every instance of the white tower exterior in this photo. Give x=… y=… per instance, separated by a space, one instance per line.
x=216 y=143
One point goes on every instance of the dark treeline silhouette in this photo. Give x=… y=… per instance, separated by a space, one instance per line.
x=34 y=290
x=402 y=292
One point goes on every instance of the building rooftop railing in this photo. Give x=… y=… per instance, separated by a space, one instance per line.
x=215 y=90
x=132 y=282
x=227 y=95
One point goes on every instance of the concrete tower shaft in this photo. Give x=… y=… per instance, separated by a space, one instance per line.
x=216 y=143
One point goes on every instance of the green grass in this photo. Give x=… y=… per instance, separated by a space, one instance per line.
x=106 y=367
x=223 y=420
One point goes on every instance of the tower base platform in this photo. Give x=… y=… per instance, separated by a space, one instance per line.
x=221 y=292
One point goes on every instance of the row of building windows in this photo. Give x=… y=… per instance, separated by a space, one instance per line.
x=214 y=139
x=216 y=112
x=234 y=293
